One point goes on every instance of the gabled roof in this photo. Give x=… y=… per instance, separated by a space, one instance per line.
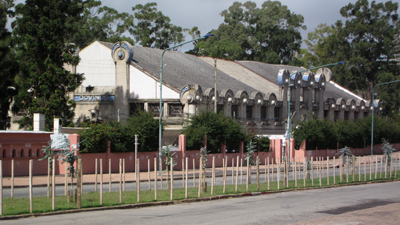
x=180 y=69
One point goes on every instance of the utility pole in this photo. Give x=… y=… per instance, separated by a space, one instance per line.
x=215 y=85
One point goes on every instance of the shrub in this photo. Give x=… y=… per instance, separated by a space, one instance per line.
x=122 y=138
x=218 y=128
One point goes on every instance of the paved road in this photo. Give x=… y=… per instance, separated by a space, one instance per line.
x=362 y=204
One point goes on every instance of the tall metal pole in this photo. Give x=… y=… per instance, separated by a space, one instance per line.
x=373 y=107
x=215 y=86
x=161 y=81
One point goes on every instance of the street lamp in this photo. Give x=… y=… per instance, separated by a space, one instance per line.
x=288 y=93
x=161 y=81
x=372 y=122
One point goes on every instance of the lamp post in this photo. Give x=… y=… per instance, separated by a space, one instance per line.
x=161 y=108
x=372 y=122
x=289 y=117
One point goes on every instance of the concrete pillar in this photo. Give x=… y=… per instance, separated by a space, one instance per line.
x=319 y=97
x=38 y=122
x=57 y=126
x=122 y=54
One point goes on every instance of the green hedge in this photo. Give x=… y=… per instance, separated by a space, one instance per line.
x=324 y=134
x=122 y=137
x=218 y=128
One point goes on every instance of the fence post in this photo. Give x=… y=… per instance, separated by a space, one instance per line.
x=120 y=180
x=1 y=187
x=155 y=178
x=79 y=183
x=101 y=182
x=95 y=175
x=172 y=178
x=53 y=184
x=137 y=172
x=30 y=186
x=187 y=173
x=12 y=178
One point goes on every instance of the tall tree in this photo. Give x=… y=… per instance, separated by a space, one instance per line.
x=8 y=67
x=268 y=34
x=100 y=23
x=41 y=30
x=151 y=28
x=366 y=40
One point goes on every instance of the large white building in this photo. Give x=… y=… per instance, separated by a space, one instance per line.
x=120 y=78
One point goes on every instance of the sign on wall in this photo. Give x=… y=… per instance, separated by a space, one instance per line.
x=94 y=98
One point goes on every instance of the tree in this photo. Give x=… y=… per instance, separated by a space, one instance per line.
x=100 y=23
x=8 y=68
x=40 y=33
x=218 y=128
x=154 y=29
x=367 y=40
x=267 y=34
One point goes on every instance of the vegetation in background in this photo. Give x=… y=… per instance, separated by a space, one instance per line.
x=218 y=128
x=44 y=85
x=367 y=39
x=8 y=66
x=122 y=137
x=268 y=34
x=324 y=134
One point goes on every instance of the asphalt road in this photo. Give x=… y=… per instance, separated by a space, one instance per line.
x=360 y=204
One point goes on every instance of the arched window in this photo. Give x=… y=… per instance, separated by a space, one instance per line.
x=37 y=152
x=13 y=153
x=30 y=153
x=22 y=153
x=4 y=153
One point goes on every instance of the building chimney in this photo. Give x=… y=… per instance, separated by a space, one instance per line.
x=38 y=122
x=57 y=126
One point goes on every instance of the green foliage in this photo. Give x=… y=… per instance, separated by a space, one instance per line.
x=48 y=153
x=261 y=143
x=154 y=29
x=42 y=51
x=168 y=156
x=267 y=34
x=100 y=23
x=203 y=155
x=250 y=149
x=8 y=67
x=218 y=128
x=69 y=156
x=319 y=134
x=122 y=137
x=367 y=40
x=94 y=138
x=356 y=134
x=387 y=151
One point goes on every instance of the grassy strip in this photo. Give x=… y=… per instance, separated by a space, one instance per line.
x=20 y=206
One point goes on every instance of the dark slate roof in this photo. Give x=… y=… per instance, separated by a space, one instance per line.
x=180 y=69
x=270 y=72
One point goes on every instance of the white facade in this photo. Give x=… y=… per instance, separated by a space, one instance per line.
x=97 y=66
x=142 y=86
